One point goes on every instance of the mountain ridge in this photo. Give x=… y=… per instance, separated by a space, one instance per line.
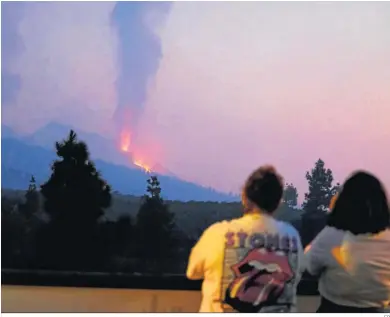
x=20 y=160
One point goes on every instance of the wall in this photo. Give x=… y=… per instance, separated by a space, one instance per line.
x=39 y=299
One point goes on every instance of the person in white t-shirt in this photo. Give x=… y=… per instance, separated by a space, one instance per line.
x=253 y=263
x=351 y=255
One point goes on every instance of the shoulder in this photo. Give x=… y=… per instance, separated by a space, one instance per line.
x=217 y=228
x=328 y=238
x=288 y=228
x=386 y=234
x=331 y=232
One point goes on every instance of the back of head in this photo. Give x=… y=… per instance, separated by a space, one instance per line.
x=264 y=189
x=361 y=206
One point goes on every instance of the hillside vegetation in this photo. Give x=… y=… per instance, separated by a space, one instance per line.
x=191 y=217
x=74 y=221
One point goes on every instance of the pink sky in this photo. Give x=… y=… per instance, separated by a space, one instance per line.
x=240 y=84
x=243 y=84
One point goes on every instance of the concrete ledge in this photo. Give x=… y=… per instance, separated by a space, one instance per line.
x=117 y=280
x=41 y=299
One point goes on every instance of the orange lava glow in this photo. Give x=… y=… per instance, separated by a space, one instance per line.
x=125 y=141
x=145 y=167
x=126 y=146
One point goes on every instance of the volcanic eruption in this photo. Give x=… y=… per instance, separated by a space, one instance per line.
x=127 y=147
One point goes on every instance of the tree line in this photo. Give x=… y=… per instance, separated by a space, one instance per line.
x=63 y=224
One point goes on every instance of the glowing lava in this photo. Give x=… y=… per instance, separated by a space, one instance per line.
x=145 y=167
x=127 y=147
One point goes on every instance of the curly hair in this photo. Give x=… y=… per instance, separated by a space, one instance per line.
x=264 y=188
x=361 y=206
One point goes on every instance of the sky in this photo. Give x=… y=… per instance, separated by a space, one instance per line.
x=209 y=90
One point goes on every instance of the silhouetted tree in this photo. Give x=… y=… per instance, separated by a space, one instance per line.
x=116 y=241
x=75 y=190
x=19 y=226
x=12 y=234
x=124 y=234
x=317 y=201
x=31 y=205
x=290 y=195
x=155 y=227
x=32 y=187
x=75 y=198
x=321 y=189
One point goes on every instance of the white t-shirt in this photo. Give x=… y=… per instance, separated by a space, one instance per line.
x=251 y=264
x=354 y=269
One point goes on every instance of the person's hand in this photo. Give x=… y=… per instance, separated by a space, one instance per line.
x=332 y=203
x=308 y=247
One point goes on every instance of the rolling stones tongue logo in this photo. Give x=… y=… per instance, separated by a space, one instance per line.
x=259 y=280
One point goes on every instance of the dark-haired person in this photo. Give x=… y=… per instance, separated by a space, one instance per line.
x=250 y=264
x=351 y=254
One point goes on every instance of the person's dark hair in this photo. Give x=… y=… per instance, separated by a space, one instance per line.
x=264 y=188
x=361 y=206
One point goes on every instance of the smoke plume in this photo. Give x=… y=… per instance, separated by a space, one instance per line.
x=60 y=65
x=137 y=24
x=86 y=65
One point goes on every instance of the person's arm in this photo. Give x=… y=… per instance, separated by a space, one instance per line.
x=196 y=262
x=316 y=253
x=301 y=258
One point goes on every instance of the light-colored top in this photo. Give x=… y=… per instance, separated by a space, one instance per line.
x=252 y=263
x=354 y=269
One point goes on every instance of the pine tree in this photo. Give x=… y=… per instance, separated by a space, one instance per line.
x=75 y=192
x=116 y=240
x=75 y=198
x=32 y=187
x=321 y=189
x=290 y=195
x=155 y=227
x=123 y=237
x=31 y=204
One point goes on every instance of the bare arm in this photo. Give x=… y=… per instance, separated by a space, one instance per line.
x=199 y=253
x=316 y=253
